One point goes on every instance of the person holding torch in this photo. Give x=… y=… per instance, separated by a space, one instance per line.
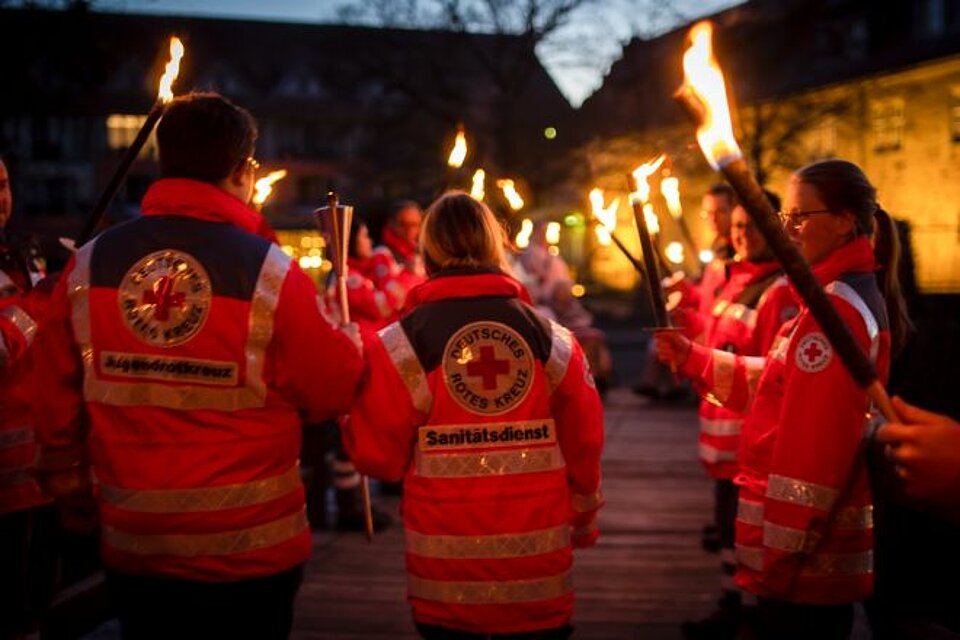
x=489 y=414
x=804 y=522
x=180 y=354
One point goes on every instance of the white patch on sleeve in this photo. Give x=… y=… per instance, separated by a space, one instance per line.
x=813 y=353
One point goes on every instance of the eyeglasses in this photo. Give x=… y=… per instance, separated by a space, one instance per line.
x=794 y=219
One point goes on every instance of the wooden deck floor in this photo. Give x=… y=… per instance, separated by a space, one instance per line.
x=646 y=575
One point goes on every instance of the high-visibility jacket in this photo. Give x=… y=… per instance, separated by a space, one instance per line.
x=489 y=414
x=180 y=352
x=374 y=292
x=747 y=313
x=805 y=523
x=18 y=326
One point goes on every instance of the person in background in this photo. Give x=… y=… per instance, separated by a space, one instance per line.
x=401 y=236
x=804 y=531
x=27 y=519
x=489 y=413
x=181 y=351
x=746 y=316
x=375 y=298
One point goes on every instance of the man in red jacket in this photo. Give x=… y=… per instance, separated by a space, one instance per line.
x=181 y=352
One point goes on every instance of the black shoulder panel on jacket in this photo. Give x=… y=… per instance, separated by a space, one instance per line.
x=231 y=256
x=429 y=326
x=865 y=284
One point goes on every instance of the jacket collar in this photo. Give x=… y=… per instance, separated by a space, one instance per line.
x=466 y=283
x=196 y=199
x=398 y=244
x=854 y=256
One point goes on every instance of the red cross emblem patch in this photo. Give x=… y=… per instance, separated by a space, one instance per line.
x=488 y=368
x=813 y=353
x=165 y=298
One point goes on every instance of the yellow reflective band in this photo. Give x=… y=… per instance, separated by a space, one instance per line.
x=839 y=564
x=490 y=463
x=506 y=545
x=183 y=396
x=208 y=544
x=727 y=427
x=15 y=437
x=724 y=366
x=778 y=351
x=788 y=539
x=490 y=592
x=561 y=350
x=487 y=435
x=380 y=299
x=23 y=322
x=218 y=498
x=713 y=455
x=806 y=494
x=750 y=512
x=408 y=366
x=754 y=366
x=848 y=293
x=583 y=502
x=750 y=557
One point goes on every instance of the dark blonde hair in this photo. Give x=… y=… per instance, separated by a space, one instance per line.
x=843 y=187
x=460 y=232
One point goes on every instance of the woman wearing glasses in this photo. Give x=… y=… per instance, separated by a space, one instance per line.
x=804 y=523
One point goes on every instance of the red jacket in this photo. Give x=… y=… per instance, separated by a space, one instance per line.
x=748 y=311
x=19 y=313
x=405 y=254
x=804 y=525
x=489 y=414
x=181 y=350
x=373 y=292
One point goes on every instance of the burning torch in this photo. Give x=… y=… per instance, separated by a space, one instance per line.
x=334 y=221
x=647 y=220
x=606 y=218
x=164 y=96
x=704 y=97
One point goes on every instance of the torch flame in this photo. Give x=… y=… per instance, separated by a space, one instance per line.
x=670 y=188
x=459 y=152
x=477 y=191
x=641 y=174
x=674 y=252
x=703 y=77
x=607 y=216
x=523 y=236
x=653 y=224
x=510 y=193
x=171 y=71
x=264 y=186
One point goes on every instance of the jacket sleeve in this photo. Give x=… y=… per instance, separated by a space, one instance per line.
x=59 y=414
x=578 y=415
x=315 y=366
x=18 y=327
x=821 y=426
x=381 y=432
x=722 y=377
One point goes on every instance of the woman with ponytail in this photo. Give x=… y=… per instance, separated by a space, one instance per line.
x=489 y=414
x=804 y=543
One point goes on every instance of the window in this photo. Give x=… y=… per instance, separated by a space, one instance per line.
x=955 y=113
x=932 y=17
x=887 y=122
x=122 y=129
